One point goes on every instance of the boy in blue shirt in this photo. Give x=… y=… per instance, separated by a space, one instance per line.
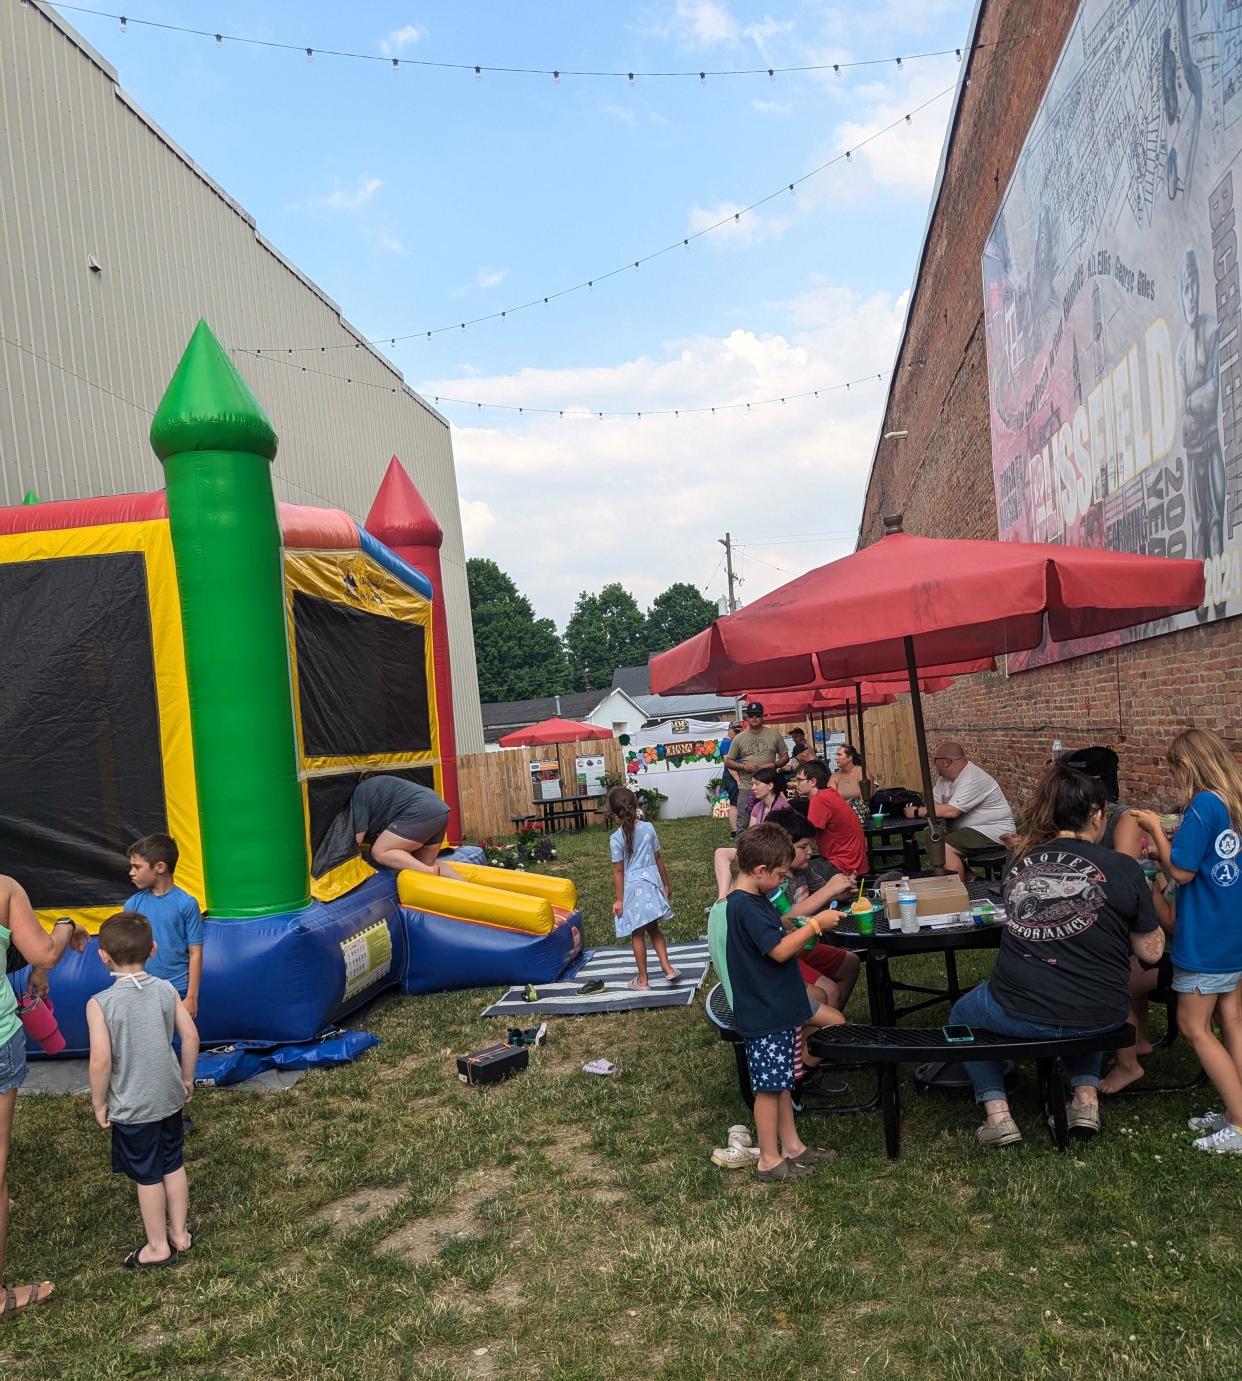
x=176 y=921
x=770 y=1001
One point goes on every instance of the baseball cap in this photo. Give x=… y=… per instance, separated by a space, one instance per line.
x=755 y=708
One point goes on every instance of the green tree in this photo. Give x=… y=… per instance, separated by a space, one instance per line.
x=677 y=614
x=605 y=631
x=519 y=656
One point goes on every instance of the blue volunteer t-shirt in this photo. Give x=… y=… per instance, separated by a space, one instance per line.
x=767 y=996
x=1208 y=934
x=176 y=924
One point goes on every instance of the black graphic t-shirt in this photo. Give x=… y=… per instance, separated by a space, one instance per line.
x=1064 y=957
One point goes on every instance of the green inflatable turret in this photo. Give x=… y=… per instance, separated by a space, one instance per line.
x=217 y=445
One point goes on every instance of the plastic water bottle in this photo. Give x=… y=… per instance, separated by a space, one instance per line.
x=908 y=906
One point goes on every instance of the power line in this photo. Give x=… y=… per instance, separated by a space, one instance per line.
x=312 y=51
x=630 y=266
x=579 y=412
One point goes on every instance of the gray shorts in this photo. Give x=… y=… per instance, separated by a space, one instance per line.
x=968 y=841
x=429 y=827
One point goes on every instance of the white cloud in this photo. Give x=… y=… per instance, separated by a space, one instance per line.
x=489 y=277
x=347 y=199
x=386 y=239
x=399 y=40
x=771 y=107
x=706 y=23
x=710 y=24
x=648 y=499
x=618 y=112
x=477 y=523
x=749 y=229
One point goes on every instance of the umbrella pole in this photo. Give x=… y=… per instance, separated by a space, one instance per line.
x=935 y=839
x=862 y=741
x=849 y=724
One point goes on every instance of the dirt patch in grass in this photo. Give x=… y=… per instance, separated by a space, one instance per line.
x=359 y=1207
x=420 y=1240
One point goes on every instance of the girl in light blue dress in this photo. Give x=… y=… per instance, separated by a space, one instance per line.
x=641 y=884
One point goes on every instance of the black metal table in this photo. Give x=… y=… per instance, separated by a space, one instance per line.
x=565 y=812
x=906 y=832
x=888 y=942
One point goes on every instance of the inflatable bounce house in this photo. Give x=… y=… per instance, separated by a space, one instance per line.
x=204 y=661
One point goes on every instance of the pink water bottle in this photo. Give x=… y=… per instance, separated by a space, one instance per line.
x=40 y=1022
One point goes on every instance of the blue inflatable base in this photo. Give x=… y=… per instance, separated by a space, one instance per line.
x=285 y=979
x=447 y=954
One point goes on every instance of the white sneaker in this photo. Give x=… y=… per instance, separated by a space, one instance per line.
x=1209 y=1122
x=1228 y=1141
x=735 y=1157
x=740 y=1136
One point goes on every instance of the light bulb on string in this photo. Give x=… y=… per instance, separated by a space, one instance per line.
x=899 y=63
x=310 y=55
x=124 y=25
x=907 y=119
x=631 y=77
x=396 y=65
x=702 y=78
x=771 y=74
x=556 y=77
x=478 y=74
x=219 y=40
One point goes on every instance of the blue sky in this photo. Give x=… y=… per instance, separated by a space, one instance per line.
x=422 y=197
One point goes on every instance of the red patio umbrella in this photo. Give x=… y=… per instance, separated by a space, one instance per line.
x=549 y=731
x=913 y=601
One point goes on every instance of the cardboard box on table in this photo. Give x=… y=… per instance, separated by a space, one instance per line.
x=938 y=898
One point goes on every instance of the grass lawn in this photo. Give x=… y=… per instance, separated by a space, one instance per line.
x=382 y=1220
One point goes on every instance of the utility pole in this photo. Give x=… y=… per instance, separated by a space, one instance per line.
x=727 y=543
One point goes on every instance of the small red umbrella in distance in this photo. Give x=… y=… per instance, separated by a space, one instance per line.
x=549 y=731
x=911 y=601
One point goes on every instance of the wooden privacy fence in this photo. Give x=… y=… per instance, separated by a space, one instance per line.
x=494 y=787
x=892 y=751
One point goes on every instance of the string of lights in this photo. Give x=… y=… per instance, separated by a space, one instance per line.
x=571 y=412
x=311 y=51
x=630 y=266
x=146 y=411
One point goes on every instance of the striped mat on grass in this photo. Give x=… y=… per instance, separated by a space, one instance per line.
x=616 y=966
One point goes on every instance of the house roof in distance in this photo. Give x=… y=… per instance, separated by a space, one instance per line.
x=636 y=682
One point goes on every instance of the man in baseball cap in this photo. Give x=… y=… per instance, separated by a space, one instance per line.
x=755 y=747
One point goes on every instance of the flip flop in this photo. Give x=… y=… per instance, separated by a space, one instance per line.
x=11 y=1306
x=674 y=977
x=638 y=987
x=134 y=1263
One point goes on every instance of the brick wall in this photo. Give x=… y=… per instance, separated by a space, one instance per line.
x=1133 y=699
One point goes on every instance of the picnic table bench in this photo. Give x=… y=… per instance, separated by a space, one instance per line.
x=886 y=1047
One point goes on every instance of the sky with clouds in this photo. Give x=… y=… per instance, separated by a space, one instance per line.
x=422 y=197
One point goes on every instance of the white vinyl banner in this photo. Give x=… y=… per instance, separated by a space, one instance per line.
x=1111 y=301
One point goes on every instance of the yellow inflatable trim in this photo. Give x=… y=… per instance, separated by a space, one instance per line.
x=466 y=901
x=559 y=891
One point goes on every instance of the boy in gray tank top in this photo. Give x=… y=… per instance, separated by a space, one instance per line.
x=137 y=1087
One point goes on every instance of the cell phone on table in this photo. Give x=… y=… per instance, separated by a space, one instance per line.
x=958 y=1035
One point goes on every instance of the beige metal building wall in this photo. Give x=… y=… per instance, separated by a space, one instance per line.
x=85 y=355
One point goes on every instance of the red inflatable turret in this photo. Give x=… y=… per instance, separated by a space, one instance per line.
x=400 y=519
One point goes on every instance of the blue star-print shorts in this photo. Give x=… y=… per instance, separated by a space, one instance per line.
x=770 y=1060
